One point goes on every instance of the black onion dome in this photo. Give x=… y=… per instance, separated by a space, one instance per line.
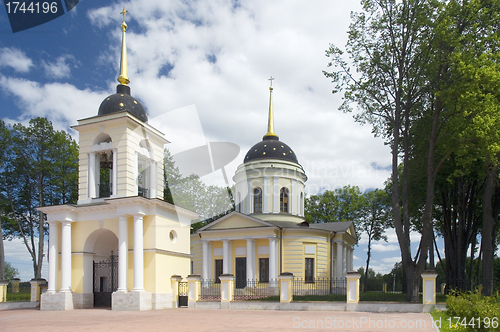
x=123 y=101
x=271 y=148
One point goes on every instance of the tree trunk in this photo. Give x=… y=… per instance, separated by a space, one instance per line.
x=488 y=232
x=368 y=254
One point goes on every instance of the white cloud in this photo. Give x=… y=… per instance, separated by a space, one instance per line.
x=15 y=58
x=60 y=68
x=384 y=248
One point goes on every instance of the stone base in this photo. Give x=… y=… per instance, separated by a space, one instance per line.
x=56 y=301
x=83 y=301
x=131 y=301
x=161 y=301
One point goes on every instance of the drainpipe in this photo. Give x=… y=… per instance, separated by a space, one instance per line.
x=331 y=255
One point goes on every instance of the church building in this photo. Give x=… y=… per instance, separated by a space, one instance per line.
x=267 y=234
x=121 y=243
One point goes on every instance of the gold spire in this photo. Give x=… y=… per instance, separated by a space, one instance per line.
x=123 y=79
x=270 y=124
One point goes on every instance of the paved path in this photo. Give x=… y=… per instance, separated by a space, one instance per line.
x=178 y=320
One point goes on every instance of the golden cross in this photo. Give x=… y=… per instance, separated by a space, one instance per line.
x=271 y=79
x=123 y=13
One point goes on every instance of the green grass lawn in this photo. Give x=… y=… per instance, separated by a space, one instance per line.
x=16 y=297
x=444 y=323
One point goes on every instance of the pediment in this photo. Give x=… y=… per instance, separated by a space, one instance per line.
x=235 y=220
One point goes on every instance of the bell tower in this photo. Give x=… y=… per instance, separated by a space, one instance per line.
x=121 y=155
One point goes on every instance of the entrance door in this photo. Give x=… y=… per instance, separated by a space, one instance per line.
x=241 y=272
x=105 y=281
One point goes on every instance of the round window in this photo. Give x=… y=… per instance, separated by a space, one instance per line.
x=172 y=236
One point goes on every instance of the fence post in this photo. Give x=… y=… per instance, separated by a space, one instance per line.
x=226 y=290
x=384 y=287
x=194 y=283
x=174 y=280
x=15 y=285
x=443 y=286
x=353 y=286
x=429 y=286
x=3 y=290
x=36 y=289
x=286 y=287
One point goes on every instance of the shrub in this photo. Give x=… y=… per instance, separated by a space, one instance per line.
x=474 y=310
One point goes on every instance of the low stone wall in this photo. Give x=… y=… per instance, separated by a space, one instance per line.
x=17 y=305
x=320 y=306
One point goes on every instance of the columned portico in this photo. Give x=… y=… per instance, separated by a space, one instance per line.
x=66 y=256
x=138 y=254
x=122 y=253
x=53 y=245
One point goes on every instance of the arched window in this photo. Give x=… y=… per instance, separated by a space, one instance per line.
x=257 y=200
x=284 y=200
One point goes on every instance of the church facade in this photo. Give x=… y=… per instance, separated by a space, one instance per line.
x=267 y=234
x=121 y=243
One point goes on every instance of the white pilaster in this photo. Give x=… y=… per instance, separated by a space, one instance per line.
x=338 y=270
x=204 y=268
x=293 y=197
x=53 y=244
x=265 y=195
x=276 y=195
x=66 y=256
x=230 y=257
x=122 y=253
x=272 y=259
x=136 y=174
x=91 y=171
x=249 y=198
x=114 y=190
x=250 y=260
x=210 y=261
x=225 y=256
x=138 y=253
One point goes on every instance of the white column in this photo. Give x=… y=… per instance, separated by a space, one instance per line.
x=338 y=270
x=230 y=257
x=138 y=254
x=91 y=180
x=250 y=260
x=136 y=174
x=272 y=259
x=276 y=195
x=225 y=256
x=114 y=190
x=66 y=257
x=204 y=269
x=265 y=195
x=122 y=253
x=344 y=260
x=209 y=260
x=351 y=264
x=249 y=208
x=293 y=197
x=152 y=182
x=53 y=244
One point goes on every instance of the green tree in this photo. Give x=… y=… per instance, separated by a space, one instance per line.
x=4 y=145
x=389 y=46
x=11 y=271
x=341 y=204
x=41 y=170
x=374 y=219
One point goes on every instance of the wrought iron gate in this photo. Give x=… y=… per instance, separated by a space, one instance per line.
x=183 y=294
x=105 y=280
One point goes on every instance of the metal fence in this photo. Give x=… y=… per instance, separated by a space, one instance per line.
x=24 y=293
x=319 y=286
x=255 y=289
x=387 y=294
x=210 y=290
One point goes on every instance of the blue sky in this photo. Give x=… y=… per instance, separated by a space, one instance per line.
x=201 y=69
